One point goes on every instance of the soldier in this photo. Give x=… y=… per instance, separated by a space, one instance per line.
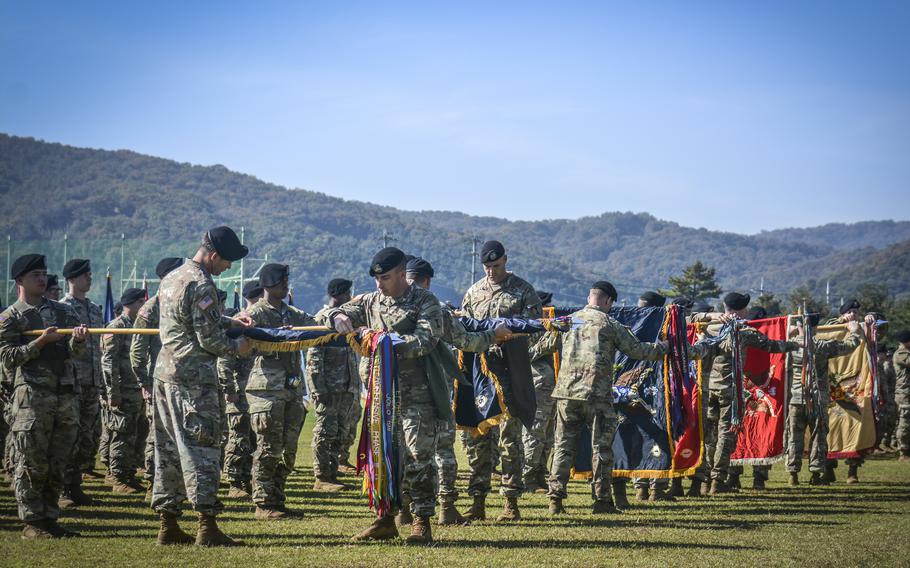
x=234 y=373
x=415 y=315
x=499 y=294
x=584 y=394
x=275 y=398
x=53 y=288
x=334 y=383
x=44 y=394
x=889 y=383
x=124 y=397
x=538 y=440
x=799 y=418
x=902 y=393
x=187 y=413
x=78 y=274
x=143 y=356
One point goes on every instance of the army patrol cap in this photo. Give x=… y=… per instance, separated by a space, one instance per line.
x=606 y=288
x=903 y=336
x=76 y=267
x=224 y=241
x=492 y=251
x=252 y=290
x=653 y=299
x=545 y=297
x=420 y=267
x=273 y=274
x=27 y=263
x=850 y=304
x=131 y=295
x=737 y=301
x=166 y=265
x=386 y=260
x=338 y=286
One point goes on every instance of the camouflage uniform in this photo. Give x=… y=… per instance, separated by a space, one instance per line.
x=347 y=428
x=234 y=374
x=125 y=420
x=537 y=439
x=417 y=317
x=277 y=413
x=45 y=404
x=187 y=414
x=584 y=395
x=334 y=384
x=144 y=351
x=513 y=297
x=798 y=418
x=88 y=372
x=902 y=398
x=889 y=383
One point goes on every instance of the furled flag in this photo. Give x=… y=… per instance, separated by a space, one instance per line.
x=109 y=312
x=237 y=297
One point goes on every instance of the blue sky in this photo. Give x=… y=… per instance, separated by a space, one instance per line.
x=726 y=115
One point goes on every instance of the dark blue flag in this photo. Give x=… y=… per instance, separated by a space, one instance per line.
x=109 y=312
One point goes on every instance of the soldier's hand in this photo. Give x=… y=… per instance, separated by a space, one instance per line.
x=726 y=318
x=849 y=316
x=242 y=319
x=502 y=331
x=343 y=324
x=870 y=320
x=114 y=402
x=49 y=335
x=147 y=394
x=244 y=347
x=80 y=334
x=231 y=398
x=852 y=326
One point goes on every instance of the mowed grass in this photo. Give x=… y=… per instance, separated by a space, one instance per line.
x=867 y=524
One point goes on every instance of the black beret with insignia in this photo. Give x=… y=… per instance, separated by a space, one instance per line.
x=737 y=301
x=166 y=265
x=338 y=286
x=385 y=260
x=606 y=288
x=131 y=295
x=903 y=335
x=76 y=267
x=26 y=263
x=849 y=304
x=653 y=299
x=420 y=267
x=492 y=251
x=273 y=274
x=225 y=242
x=252 y=290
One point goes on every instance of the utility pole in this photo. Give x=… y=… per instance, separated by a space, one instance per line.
x=9 y=247
x=386 y=238
x=828 y=293
x=65 y=242
x=242 y=230
x=761 y=287
x=473 y=253
x=122 y=244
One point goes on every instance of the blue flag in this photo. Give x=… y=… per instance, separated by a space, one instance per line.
x=237 y=298
x=108 y=302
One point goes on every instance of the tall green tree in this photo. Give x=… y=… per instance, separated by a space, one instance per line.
x=803 y=296
x=697 y=282
x=770 y=303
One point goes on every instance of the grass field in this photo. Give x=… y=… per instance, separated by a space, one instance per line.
x=866 y=524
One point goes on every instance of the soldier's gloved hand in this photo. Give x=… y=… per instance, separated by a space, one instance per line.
x=80 y=333
x=343 y=324
x=244 y=347
x=49 y=335
x=242 y=319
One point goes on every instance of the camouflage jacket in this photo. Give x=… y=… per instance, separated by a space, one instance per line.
x=511 y=297
x=272 y=371
x=541 y=353
x=192 y=328
x=115 y=360
x=888 y=378
x=455 y=334
x=588 y=353
x=88 y=364
x=50 y=366
x=234 y=374
x=902 y=373
x=823 y=349
x=144 y=348
x=331 y=369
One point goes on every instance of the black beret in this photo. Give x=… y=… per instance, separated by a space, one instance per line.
x=653 y=299
x=385 y=260
x=222 y=296
x=76 y=267
x=545 y=297
x=849 y=304
x=26 y=263
x=701 y=307
x=757 y=313
x=813 y=319
x=131 y=295
x=606 y=288
x=683 y=302
x=165 y=265
x=252 y=290
x=420 y=267
x=737 y=301
x=224 y=241
x=338 y=286
x=492 y=251
x=272 y=274
x=52 y=281
x=118 y=309
x=903 y=335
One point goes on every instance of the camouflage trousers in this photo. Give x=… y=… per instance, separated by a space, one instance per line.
x=446 y=462
x=480 y=451
x=276 y=418
x=327 y=442
x=187 y=423
x=87 y=436
x=238 y=451
x=889 y=425
x=419 y=432
x=571 y=415
x=104 y=435
x=902 y=432
x=797 y=422
x=126 y=425
x=44 y=428
x=536 y=438
x=720 y=439
x=348 y=431
x=149 y=448
x=6 y=435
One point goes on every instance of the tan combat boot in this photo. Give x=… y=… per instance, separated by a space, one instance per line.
x=604 y=508
x=510 y=510
x=36 y=530
x=642 y=494
x=658 y=494
x=170 y=532
x=853 y=474
x=478 y=510
x=817 y=479
x=269 y=514
x=382 y=528
x=420 y=531
x=556 y=507
x=449 y=515
x=210 y=535
x=239 y=490
x=718 y=486
x=619 y=494
x=327 y=485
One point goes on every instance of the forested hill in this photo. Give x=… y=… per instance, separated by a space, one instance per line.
x=162 y=207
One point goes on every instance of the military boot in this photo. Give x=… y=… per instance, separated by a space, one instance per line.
x=58 y=531
x=695 y=489
x=449 y=515
x=404 y=516
x=829 y=475
x=818 y=479
x=676 y=487
x=642 y=494
x=345 y=467
x=123 y=487
x=210 y=535
x=239 y=490
x=556 y=507
x=531 y=484
x=733 y=483
x=542 y=482
x=170 y=532
x=327 y=485
x=36 y=530
x=478 y=510
x=269 y=513
x=794 y=478
x=510 y=510
x=658 y=494
x=619 y=494
x=718 y=486
x=853 y=474
x=78 y=495
x=383 y=528
x=604 y=508
x=420 y=531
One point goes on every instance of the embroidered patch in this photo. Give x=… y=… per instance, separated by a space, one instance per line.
x=204 y=303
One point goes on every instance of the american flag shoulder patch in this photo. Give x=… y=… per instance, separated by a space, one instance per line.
x=204 y=303
x=107 y=337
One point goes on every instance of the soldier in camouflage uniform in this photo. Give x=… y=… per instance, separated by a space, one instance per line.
x=44 y=395
x=798 y=419
x=334 y=384
x=187 y=415
x=234 y=374
x=584 y=395
x=414 y=314
x=78 y=274
x=274 y=394
x=888 y=379
x=537 y=440
x=499 y=294
x=124 y=397
x=347 y=433
x=902 y=393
